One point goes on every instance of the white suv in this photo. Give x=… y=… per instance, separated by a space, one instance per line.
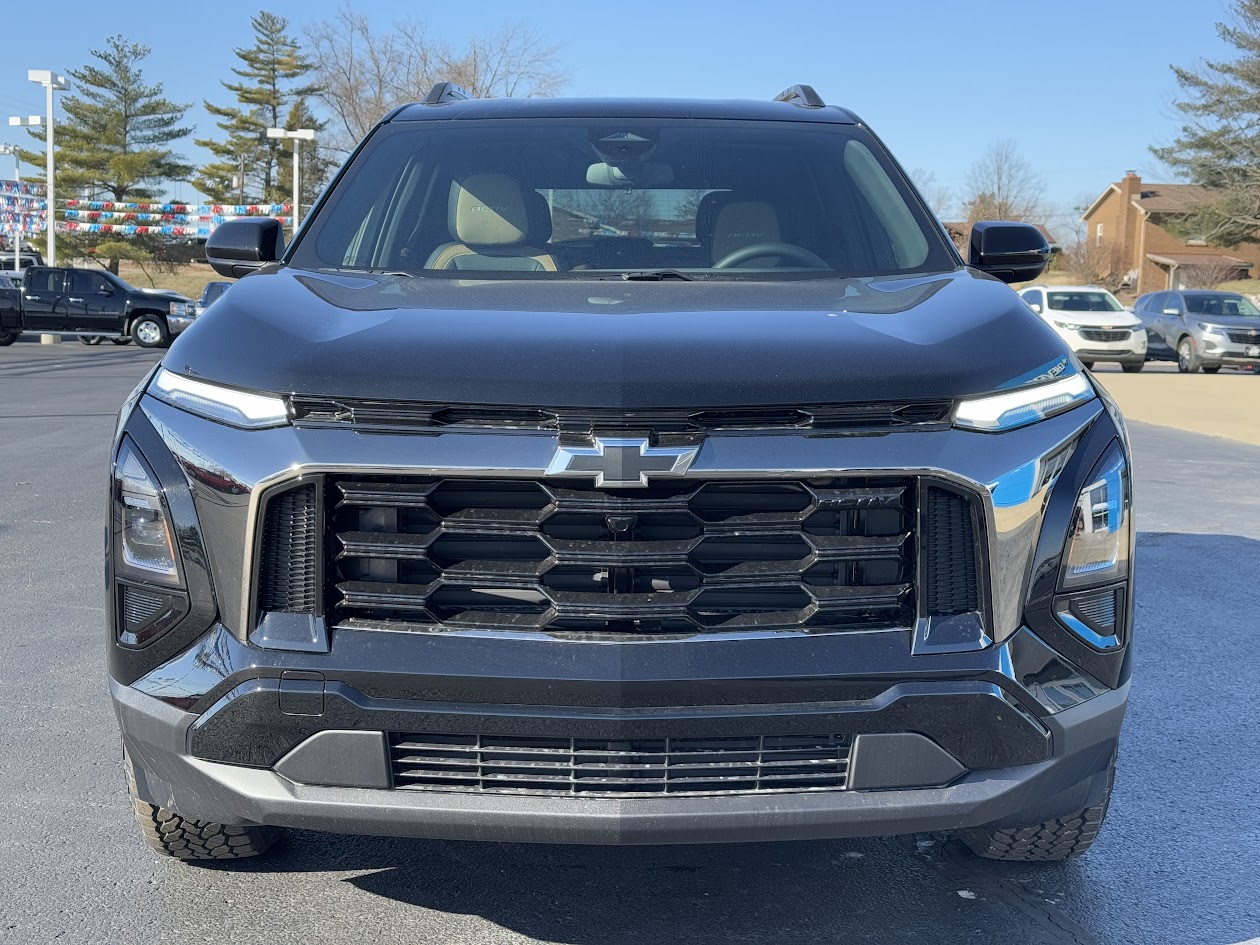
x=1092 y=322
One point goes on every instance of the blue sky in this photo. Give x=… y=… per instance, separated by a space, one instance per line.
x=1083 y=86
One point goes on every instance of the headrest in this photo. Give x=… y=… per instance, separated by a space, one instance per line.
x=742 y=223
x=487 y=210
x=538 y=215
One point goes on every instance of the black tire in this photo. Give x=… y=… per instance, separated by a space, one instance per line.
x=1211 y=370
x=1063 y=838
x=1187 y=356
x=1132 y=367
x=7 y=338
x=185 y=839
x=121 y=341
x=149 y=331
x=91 y=339
x=1087 y=365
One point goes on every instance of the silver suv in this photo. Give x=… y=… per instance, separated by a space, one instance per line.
x=1201 y=330
x=1093 y=323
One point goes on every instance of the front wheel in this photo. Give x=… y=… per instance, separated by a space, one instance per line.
x=1132 y=367
x=1211 y=370
x=182 y=838
x=149 y=331
x=91 y=339
x=121 y=341
x=1187 y=357
x=1060 y=839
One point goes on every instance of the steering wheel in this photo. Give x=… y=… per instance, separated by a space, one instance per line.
x=781 y=250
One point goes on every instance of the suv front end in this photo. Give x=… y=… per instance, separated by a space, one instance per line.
x=500 y=559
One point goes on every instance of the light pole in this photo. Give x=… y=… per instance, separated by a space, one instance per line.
x=51 y=83
x=298 y=135
x=17 y=176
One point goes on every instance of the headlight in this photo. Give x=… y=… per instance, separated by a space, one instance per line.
x=1008 y=410
x=1070 y=326
x=1098 y=545
x=140 y=521
x=228 y=405
x=178 y=308
x=1210 y=329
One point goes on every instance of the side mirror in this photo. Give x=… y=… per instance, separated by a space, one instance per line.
x=1012 y=252
x=105 y=290
x=239 y=247
x=1172 y=311
x=1035 y=306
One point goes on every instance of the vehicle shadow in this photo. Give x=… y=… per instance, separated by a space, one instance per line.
x=1174 y=864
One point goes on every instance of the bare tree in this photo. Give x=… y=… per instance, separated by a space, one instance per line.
x=939 y=197
x=1092 y=263
x=1001 y=185
x=364 y=73
x=1209 y=273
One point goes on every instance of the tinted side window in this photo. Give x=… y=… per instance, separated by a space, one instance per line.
x=1172 y=300
x=86 y=283
x=42 y=280
x=1034 y=297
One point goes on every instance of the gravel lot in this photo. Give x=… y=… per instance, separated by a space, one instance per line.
x=1176 y=863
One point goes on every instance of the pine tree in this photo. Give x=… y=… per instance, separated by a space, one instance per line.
x=269 y=70
x=1219 y=146
x=113 y=141
x=315 y=162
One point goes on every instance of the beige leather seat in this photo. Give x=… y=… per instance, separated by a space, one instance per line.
x=492 y=223
x=726 y=223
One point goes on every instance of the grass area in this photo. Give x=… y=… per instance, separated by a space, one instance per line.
x=1242 y=286
x=188 y=280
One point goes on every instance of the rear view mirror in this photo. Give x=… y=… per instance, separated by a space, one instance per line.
x=239 y=247
x=1012 y=252
x=633 y=174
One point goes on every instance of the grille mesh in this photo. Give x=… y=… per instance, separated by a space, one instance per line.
x=1098 y=610
x=1245 y=336
x=680 y=558
x=1105 y=334
x=290 y=553
x=950 y=554
x=140 y=607
x=496 y=764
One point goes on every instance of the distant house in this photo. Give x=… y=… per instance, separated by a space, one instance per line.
x=960 y=233
x=1128 y=221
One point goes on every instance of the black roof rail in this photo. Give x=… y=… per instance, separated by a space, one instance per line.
x=446 y=92
x=802 y=95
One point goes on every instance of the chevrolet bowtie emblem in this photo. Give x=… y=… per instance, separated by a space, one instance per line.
x=621 y=463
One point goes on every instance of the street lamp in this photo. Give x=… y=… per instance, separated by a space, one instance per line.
x=17 y=176
x=51 y=83
x=298 y=135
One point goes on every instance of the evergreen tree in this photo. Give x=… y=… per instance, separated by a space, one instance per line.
x=316 y=164
x=113 y=142
x=1219 y=146
x=270 y=71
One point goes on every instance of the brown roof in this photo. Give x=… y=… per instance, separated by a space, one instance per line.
x=1171 y=198
x=1198 y=259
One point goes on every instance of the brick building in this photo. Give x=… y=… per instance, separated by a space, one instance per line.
x=1128 y=220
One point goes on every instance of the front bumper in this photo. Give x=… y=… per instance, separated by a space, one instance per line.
x=177 y=323
x=156 y=735
x=1237 y=355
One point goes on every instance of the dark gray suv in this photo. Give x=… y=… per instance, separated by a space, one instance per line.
x=1201 y=330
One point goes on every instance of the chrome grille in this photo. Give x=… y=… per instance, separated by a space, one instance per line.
x=676 y=558
x=1105 y=334
x=641 y=767
x=1245 y=336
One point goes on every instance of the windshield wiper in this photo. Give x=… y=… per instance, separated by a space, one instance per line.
x=656 y=275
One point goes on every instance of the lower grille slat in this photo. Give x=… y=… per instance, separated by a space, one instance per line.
x=636 y=768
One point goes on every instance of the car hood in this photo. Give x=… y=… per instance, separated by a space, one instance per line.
x=1227 y=321
x=617 y=344
x=1097 y=319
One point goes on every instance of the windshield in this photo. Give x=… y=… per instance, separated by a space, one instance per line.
x=573 y=198
x=1084 y=302
x=1235 y=306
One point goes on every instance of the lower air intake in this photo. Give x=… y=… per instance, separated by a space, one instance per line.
x=640 y=767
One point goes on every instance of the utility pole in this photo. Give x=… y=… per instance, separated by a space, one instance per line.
x=17 y=233
x=51 y=83
x=297 y=135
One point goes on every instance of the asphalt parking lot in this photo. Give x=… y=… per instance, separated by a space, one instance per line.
x=1176 y=862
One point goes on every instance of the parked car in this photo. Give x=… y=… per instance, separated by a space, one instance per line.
x=1201 y=330
x=463 y=518
x=1093 y=323
x=93 y=304
x=25 y=260
x=210 y=293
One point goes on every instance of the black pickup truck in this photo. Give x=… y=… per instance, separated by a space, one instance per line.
x=93 y=304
